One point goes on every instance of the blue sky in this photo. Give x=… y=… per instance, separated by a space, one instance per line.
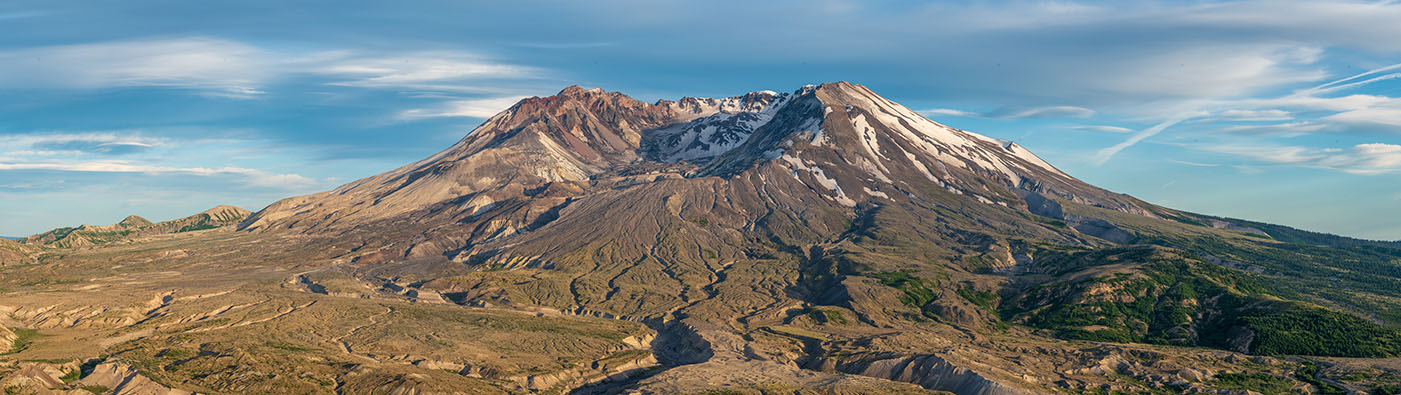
x=1281 y=111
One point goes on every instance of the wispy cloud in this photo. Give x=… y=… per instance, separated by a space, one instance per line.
x=474 y=108
x=234 y=69
x=1366 y=159
x=218 y=66
x=255 y=177
x=1196 y=164
x=949 y=112
x=440 y=70
x=1016 y=113
x=93 y=152
x=50 y=144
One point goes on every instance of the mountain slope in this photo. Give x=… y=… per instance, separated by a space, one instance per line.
x=569 y=137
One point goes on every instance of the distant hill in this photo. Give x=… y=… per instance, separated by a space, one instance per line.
x=1300 y=236
x=135 y=226
x=12 y=252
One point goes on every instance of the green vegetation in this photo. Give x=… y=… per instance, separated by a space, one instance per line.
x=825 y=316
x=918 y=292
x=1391 y=389
x=1169 y=298
x=71 y=376
x=96 y=389
x=1315 y=331
x=1309 y=374
x=23 y=338
x=195 y=227
x=1299 y=236
x=984 y=299
x=1158 y=303
x=1358 y=275
x=978 y=264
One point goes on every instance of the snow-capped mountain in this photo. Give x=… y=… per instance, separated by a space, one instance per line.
x=839 y=136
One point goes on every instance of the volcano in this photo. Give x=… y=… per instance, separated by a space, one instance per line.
x=823 y=240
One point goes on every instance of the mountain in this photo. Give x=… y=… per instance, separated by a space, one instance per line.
x=861 y=196
x=824 y=240
x=134 y=226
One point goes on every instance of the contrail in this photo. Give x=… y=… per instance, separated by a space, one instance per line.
x=1364 y=74
x=1104 y=154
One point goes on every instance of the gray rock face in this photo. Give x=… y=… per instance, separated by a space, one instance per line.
x=1040 y=205
x=1100 y=228
x=928 y=371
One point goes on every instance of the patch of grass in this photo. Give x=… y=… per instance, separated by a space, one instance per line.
x=1258 y=382
x=918 y=292
x=72 y=376
x=195 y=227
x=24 y=338
x=825 y=316
x=984 y=299
x=96 y=389
x=978 y=264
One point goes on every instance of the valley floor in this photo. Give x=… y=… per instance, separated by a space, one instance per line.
x=225 y=312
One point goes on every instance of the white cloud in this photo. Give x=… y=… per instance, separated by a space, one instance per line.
x=253 y=176
x=1016 y=113
x=1212 y=71
x=421 y=69
x=1383 y=116
x=1367 y=159
x=474 y=108
x=222 y=67
x=949 y=112
x=97 y=138
x=233 y=69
